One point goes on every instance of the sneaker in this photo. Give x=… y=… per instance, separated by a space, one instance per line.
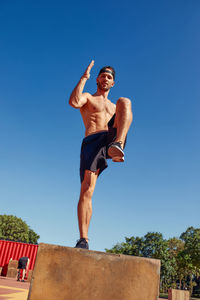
x=82 y=243
x=115 y=152
x=118 y=159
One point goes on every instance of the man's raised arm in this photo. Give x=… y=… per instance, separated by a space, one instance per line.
x=77 y=98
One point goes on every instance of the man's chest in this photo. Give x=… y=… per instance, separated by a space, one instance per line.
x=100 y=105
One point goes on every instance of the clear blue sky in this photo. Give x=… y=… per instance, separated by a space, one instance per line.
x=154 y=46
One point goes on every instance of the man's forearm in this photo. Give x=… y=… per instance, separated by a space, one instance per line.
x=77 y=92
x=76 y=99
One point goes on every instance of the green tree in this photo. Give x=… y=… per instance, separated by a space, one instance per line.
x=155 y=246
x=132 y=246
x=152 y=245
x=188 y=260
x=180 y=257
x=191 y=238
x=15 y=229
x=175 y=245
x=33 y=237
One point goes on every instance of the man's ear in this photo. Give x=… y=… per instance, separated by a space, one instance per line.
x=113 y=83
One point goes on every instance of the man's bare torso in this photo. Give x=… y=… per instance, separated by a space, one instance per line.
x=96 y=113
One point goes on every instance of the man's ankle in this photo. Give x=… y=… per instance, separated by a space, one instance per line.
x=83 y=237
x=121 y=143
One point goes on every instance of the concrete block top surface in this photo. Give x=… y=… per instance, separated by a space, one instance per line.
x=90 y=254
x=84 y=274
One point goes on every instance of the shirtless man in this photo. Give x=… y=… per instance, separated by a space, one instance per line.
x=106 y=128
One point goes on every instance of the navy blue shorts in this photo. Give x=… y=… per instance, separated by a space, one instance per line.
x=22 y=262
x=94 y=150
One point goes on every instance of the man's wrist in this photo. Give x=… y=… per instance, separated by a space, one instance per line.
x=84 y=77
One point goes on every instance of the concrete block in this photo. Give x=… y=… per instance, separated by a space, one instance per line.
x=178 y=295
x=12 y=269
x=12 y=273
x=76 y=274
x=30 y=273
x=13 y=264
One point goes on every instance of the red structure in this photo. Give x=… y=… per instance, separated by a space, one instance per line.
x=15 y=250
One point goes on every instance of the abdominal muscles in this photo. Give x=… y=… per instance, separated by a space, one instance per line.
x=96 y=122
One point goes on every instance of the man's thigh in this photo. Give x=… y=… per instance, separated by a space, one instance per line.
x=89 y=180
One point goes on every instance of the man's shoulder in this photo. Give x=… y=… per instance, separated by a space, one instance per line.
x=87 y=95
x=89 y=99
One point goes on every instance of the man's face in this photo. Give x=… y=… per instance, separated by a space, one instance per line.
x=105 y=81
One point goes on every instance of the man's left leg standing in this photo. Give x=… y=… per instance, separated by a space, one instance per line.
x=85 y=206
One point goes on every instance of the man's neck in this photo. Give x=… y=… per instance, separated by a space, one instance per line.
x=102 y=93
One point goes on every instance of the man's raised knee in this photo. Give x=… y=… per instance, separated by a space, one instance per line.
x=124 y=101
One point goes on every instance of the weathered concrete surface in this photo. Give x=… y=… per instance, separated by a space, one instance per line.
x=178 y=295
x=12 y=269
x=30 y=273
x=75 y=274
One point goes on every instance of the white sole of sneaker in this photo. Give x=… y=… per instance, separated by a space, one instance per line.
x=118 y=159
x=115 y=151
